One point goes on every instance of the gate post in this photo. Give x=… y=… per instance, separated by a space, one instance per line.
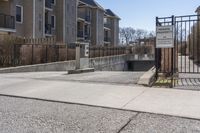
x=165 y=48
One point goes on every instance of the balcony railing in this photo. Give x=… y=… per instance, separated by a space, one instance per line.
x=48 y=4
x=7 y=21
x=87 y=36
x=107 y=39
x=107 y=25
x=80 y=34
x=48 y=29
x=85 y=16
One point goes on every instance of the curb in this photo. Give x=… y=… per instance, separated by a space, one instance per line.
x=147 y=78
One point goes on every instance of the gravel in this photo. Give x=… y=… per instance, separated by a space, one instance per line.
x=152 y=123
x=32 y=116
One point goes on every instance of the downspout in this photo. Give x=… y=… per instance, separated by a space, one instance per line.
x=43 y=18
x=33 y=18
x=64 y=16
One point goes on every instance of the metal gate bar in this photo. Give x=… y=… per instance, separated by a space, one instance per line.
x=185 y=54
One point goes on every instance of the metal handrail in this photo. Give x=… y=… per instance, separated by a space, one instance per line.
x=7 y=21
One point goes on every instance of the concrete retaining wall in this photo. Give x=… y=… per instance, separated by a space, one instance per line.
x=57 y=66
x=109 y=63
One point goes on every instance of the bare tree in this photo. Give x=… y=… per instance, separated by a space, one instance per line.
x=151 y=34
x=132 y=32
x=129 y=34
x=125 y=33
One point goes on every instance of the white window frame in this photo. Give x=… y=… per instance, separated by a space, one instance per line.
x=22 y=14
x=54 y=27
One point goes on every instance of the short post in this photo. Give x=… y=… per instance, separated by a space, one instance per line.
x=78 y=51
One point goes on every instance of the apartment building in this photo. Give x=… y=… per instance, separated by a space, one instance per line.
x=97 y=25
x=111 y=28
x=198 y=10
x=68 y=20
x=39 y=18
x=90 y=22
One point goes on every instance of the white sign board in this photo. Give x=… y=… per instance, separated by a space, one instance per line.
x=164 y=37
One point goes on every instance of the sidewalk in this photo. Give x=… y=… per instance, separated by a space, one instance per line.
x=183 y=103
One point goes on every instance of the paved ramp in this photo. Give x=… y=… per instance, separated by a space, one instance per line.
x=100 y=77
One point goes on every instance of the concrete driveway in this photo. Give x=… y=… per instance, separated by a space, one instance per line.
x=84 y=89
x=105 y=77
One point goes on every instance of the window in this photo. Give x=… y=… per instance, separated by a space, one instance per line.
x=53 y=21
x=105 y=20
x=19 y=14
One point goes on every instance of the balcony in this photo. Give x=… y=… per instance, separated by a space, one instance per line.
x=80 y=34
x=48 y=4
x=107 y=25
x=88 y=18
x=84 y=15
x=48 y=29
x=7 y=22
x=87 y=36
x=107 y=39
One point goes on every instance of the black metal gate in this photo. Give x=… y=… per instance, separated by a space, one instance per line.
x=183 y=60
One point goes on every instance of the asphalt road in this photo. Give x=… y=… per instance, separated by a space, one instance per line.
x=18 y=115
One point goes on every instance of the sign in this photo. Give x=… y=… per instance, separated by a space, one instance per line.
x=87 y=50
x=164 y=36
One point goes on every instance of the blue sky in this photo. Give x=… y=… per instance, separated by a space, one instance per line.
x=142 y=13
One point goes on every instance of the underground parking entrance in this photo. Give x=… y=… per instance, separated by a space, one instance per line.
x=140 y=65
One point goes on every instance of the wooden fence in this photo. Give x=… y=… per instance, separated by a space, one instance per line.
x=23 y=54
x=11 y=39
x=15 y=51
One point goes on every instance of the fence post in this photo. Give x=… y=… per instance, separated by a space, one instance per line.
x=32 y=51
x=67 y=52
x=14 y=53
x=58 y=56
x=99 y=51
x=46 y=54
x=103 y=49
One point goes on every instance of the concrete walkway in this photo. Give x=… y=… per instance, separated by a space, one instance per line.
x=55 y=86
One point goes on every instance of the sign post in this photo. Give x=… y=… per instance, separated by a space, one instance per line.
x=165 y=36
